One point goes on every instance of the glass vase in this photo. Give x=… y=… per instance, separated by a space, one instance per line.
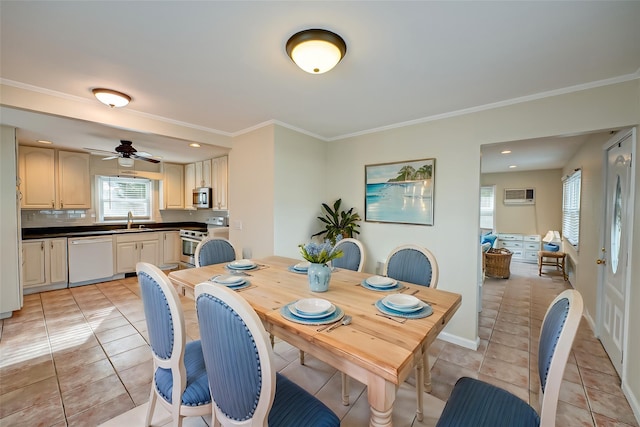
x=319 y=276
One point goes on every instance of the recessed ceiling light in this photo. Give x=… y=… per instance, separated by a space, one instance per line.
x=512 y=167
x=44 y=141
x=194 y=145
x=505 y=152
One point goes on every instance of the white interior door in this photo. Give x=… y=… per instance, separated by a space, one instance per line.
x=615 y=256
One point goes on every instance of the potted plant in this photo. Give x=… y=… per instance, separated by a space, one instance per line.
x=338 y=222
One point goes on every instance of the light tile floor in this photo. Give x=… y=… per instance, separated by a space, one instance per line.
x=79 y=357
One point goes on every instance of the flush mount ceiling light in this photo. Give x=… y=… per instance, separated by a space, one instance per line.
x=316 y=51
x=112 y=98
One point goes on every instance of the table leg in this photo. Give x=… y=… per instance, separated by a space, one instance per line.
x=420 y=367
x=381 y=396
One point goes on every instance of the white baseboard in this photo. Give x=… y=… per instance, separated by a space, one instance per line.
x=632 y=399
x=591 y=322
x=464 y=342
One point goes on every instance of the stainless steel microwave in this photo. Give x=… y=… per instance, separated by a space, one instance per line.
x=202 y=197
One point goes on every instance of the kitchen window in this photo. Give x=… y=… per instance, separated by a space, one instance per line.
x=119 y=196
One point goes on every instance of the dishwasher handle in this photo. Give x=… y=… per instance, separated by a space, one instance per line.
x=90 y=241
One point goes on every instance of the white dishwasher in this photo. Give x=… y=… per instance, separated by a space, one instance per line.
x=90 y=260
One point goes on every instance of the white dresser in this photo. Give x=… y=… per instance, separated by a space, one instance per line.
x=524 y=247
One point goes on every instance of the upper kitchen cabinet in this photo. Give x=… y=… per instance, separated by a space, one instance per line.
x=196 y=175
x=50 y=183
x=73 y=180
x=219 y=171
x=172 y=187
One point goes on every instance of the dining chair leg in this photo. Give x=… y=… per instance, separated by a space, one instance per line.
x=301 y=357
x=151 y=408
x=272 y=339
x=345 y=389
x=420 y=390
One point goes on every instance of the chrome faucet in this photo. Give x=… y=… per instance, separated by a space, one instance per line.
x=129 y=220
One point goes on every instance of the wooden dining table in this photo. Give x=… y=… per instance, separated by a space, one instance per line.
x=379 y=352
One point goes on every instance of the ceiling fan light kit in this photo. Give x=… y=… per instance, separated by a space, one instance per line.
x=125 y=162
x=316 y=51
x=111 y=97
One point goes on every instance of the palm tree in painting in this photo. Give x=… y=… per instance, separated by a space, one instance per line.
x=424 y=172
x=406 y=173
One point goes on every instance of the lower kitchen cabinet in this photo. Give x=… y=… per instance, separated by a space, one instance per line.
x=44 y=262
x=171 y=247
x=134 y=248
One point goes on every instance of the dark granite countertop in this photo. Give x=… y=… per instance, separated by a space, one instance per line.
x=101 y=230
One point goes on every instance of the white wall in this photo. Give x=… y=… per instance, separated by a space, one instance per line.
x=544 y=215
x=300 y=183
x=251 y=193
x=455 y=143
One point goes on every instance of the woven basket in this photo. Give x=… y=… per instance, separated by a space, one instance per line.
x=497 y=262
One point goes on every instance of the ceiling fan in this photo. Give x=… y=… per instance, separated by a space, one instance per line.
x=125 y=153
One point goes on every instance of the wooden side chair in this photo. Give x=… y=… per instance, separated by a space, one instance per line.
x=476 y=403
x=179 y=377
x=417 y=265
x=214 y=250
x=245 y=387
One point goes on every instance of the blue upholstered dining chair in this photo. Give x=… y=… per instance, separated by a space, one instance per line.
x=476 y=403
x=179 y=377
x=417 y=265
x=214 y=250
x=352 y=255
x=245 y=387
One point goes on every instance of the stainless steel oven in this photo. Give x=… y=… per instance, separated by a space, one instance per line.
x=190 y=240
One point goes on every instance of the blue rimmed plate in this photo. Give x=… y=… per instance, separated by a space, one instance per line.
x=395 y=287
x=228 y=280
x=242 y=264
x=424 y=311
x=288 y=313
x=293 y=269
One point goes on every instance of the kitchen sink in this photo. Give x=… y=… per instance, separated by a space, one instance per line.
x=134 y=230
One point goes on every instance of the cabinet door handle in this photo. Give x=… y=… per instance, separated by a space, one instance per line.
x=61 y=204
x=136 y=246
x=41 y=246
x=141 y=246
x=53 y=205
x=51 y=243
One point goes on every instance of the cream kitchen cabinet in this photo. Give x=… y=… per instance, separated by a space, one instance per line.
x=171 y=247
x=52 y=179
x=219 y=173
x=172 y=187
x=189 y=184
x=136 y=247
x=44 y=262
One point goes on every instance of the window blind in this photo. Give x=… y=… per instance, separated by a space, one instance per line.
x=571 y=208
x=487 y=207
x=119 y=196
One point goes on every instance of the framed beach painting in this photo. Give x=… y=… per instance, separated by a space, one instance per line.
x=400 y=192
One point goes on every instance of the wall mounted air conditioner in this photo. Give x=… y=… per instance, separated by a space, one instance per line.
x=519 y=196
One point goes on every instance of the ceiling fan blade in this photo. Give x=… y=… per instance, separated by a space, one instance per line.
x=110 y=157
x=146 y=159
x=98 y=151
x=143 y=154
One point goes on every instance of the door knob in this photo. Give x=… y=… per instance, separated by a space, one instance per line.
x=601 y=261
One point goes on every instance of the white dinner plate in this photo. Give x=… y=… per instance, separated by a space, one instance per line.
x=302 y=266
x=242 y=263
x=322 y=315
x=228 y=279
x=401 y=302
x=312 y=306
x=381 y=281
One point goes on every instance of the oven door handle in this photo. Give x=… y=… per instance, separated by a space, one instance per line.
x=189 y=239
